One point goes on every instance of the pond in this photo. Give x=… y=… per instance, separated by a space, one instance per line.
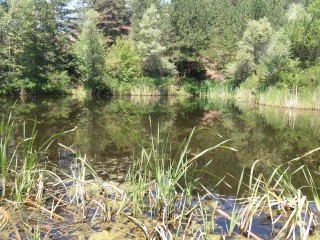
x=108 y=129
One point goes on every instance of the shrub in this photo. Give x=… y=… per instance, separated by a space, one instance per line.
x=58 y=82
x=123 y=61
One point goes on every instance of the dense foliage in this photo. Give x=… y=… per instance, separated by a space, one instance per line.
x=53 y=46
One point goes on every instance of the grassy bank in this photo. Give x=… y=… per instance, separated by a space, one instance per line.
x=304 y=99
x=307 y=99
x=158 y=200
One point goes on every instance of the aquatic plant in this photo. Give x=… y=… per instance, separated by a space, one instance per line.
x=6 y=127
x=163 y=182
x=276 y=198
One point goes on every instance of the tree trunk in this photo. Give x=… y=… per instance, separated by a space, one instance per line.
x=188 y=69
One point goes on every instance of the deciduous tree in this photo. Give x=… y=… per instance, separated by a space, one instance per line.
x=122 y=62
x=252 y=46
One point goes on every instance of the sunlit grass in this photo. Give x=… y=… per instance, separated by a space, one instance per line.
x=300 y=99
x=276 y=192
x=162 y=181
x=218 y=91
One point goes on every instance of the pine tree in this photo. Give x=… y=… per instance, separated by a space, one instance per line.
x=304 y=31
x=32 y=49
x=89 y=50
x=113 y=17
x=138 y=8
x=191 y=23
x=17 y=41
x=149 y=45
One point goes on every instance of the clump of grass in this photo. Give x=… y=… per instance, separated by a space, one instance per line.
x=276 y=197
x=33 y=188
x=300 y=99
x=144 y=90
x=162 y=181
x=217 y=91
x=112 y=200
x=27 y=177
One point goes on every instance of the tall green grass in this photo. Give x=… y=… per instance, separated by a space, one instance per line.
x=266 y=193
x=217 y=91
x=281 y=97
x=300 y=99
x=6 y=126
x=163 y=181
x=20 y=162
x=144 y=90
x=245 y=94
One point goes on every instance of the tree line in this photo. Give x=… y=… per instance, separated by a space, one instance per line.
x=115 y=46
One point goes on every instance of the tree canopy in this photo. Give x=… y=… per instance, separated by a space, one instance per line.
x=52 y=46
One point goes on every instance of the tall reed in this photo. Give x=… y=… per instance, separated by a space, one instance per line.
x=217 y=91
x=162 y=180
x=276 y=191
x=6 y=127
x=300 y=99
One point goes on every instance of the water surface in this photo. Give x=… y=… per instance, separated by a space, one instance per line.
x=108 y=129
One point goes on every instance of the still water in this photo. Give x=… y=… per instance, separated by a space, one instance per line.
x=108 y=129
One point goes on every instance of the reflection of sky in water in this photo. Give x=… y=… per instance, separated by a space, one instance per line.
x=108 y=128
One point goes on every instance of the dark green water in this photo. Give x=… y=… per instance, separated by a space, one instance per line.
x=107 y=130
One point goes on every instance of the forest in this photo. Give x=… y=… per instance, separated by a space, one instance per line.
x=159 y=47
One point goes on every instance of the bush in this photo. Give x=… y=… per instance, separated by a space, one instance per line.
x=58 y=82
x=308 y=79
x=190 y=86
x=252 y=83
x=19 y=85
x=123 y=62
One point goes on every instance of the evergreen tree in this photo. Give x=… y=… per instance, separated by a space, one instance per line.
x=229 y=24
x=138 y=8
x=53 y=20
x=89 y=50
x=149 y=45
x=304 y=31
x=191 y=23
x=16 y=53
x=31 y=50
x=113 y=17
